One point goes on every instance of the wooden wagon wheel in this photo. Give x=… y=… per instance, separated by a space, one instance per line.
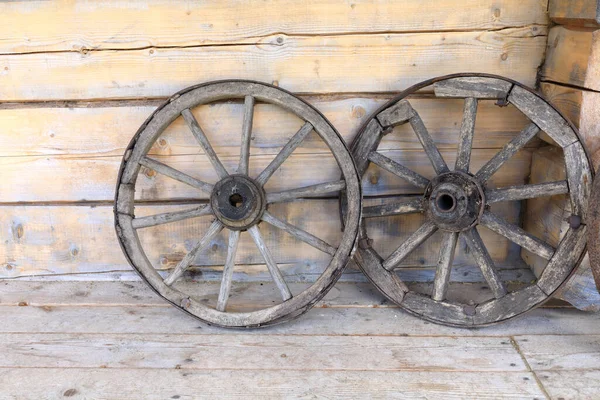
x=594 y=231
x=457 y=200
x=238 y=202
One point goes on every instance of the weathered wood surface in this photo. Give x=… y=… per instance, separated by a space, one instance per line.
x=473 y=87
x=44 y=240
x=555 y=353
x=128 y=332
x=246 y=352
x=585 y=13
x=573 y=384
x=93 y=130
x=376 y=321
x=103 y=26
x=301 y=64
x=573 y=57
x=273 y=384
x=545 y=218
x=581 y=107
x=76 y=178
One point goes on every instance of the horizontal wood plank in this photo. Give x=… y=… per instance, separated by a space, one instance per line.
x=251 y=352
x=106 y=131
x=301 y=64
x=76 y=178
x=40 y=26
x=44 y=240
x=573 y=57
x=320 y=321
x=160 y=384
x=556 y=353
x=574 y=384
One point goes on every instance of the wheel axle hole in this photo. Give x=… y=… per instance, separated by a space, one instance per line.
x=445 y=202
x=236 y=200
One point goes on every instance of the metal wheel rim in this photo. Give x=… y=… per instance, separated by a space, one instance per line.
x=150 y=131
x=492 y=311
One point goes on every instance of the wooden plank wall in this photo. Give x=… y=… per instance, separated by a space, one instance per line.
x=570 y=79
x=570 y=76
x=77 y=78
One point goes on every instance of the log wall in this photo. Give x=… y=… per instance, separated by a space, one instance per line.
x=77 y=78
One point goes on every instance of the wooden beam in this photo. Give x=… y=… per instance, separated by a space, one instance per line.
x=40 y=26
x=573 y=57
x=584 y=13
x=301 y=64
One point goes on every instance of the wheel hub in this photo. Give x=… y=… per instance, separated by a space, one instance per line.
x=238 y=202
x=454 y=201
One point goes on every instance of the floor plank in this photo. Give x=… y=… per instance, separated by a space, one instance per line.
x=562 y=352
x=54 y=383
x=320 y=321
x=248 y=352
x=571 y=385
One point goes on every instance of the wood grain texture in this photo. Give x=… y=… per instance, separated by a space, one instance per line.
x=106 y=131
x=580 y=107
x=584 y=13
x=555 y=353
x=574 y=384
x=373 y=321
x=251 y=352
x=381 y=62
x=273 y=384
x=75 y=178
x=43 y=240
x=38 y=25
x=545 y=218
x=573 y=57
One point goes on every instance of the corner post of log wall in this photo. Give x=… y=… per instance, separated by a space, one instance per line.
x=570 y=76
x=570 y=80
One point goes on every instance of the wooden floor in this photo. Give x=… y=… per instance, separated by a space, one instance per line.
x=113 y=340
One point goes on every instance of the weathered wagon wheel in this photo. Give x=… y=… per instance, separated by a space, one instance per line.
x=458 y=200
x=238 y=202
x=594 y=231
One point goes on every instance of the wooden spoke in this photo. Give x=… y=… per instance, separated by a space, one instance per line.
x=398 y=170
x=439 y=165
x=414 y=241
x=299 y=233
x=509 y=150
x=204 y=143
x=526 y=191
x=246 y=135
x=175 y=174
x=271 y=264
x=165 y=218
x=517 y=235
x=485 y=262
x=444 y=267
x=407 y=205
x=467 y=131
x=234 y=237
x=320 y=189
x=189 y=258
x=284 y=153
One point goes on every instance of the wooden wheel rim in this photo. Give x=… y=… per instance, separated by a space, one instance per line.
x=150 y=131
x=594 y=231
x=563 y=259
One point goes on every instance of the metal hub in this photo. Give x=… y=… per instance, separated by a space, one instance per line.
x=454 y=201
x=238 y=202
